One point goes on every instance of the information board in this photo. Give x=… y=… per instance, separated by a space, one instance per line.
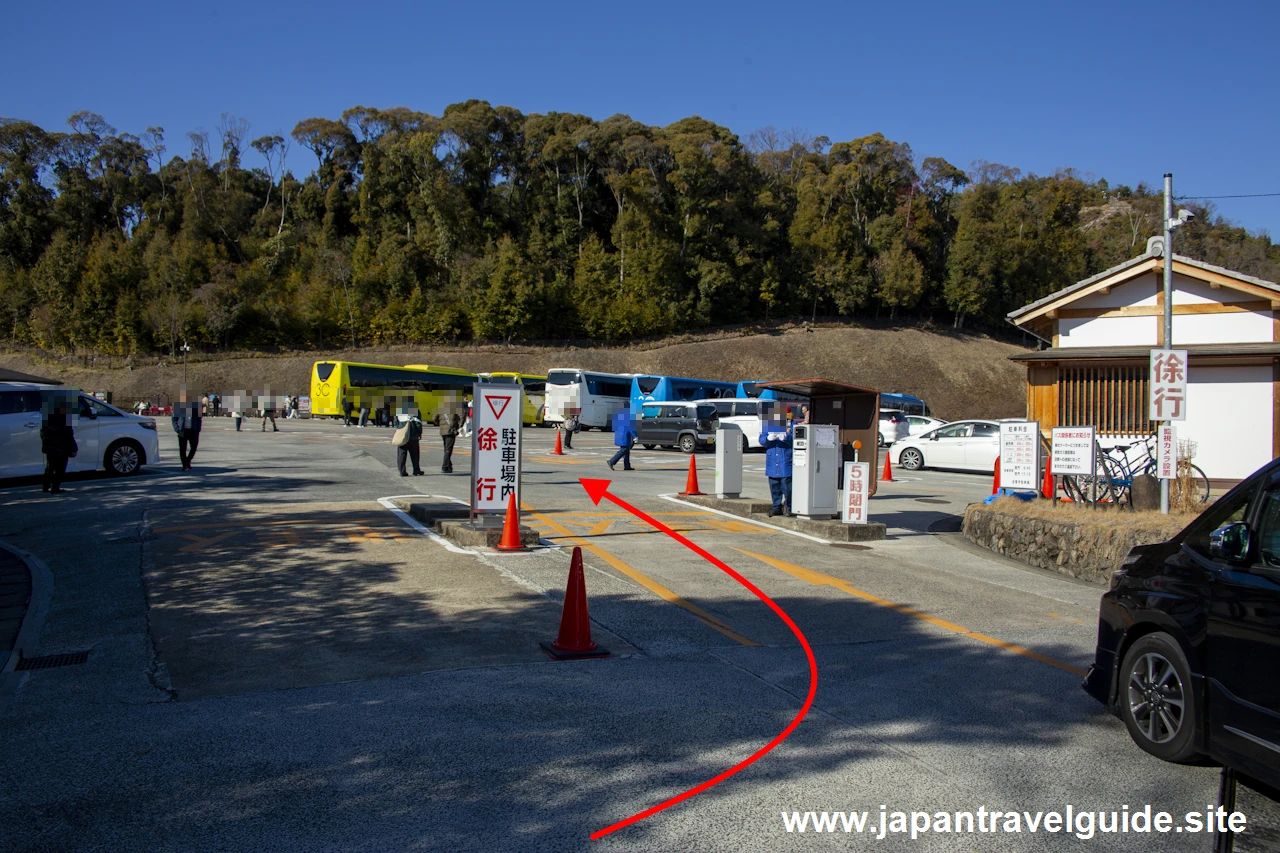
x=857 y=475
x=1020 y=455
x=495 y=447
x=1167 y=453
x=1073 y=451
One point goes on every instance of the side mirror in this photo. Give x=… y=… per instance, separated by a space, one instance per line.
x=933 y=437
x=1230 y=542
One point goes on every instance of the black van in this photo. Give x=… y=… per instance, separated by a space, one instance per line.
x=689 y=426
x=1189 y=636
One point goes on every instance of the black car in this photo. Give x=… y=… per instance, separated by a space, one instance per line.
x=689 y=426
x=1189 y=636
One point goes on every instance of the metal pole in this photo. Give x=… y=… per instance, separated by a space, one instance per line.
x=1168 y=300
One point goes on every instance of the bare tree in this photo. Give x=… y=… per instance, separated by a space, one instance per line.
x=232 y=129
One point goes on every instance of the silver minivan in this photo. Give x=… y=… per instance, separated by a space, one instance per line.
x=107 y=438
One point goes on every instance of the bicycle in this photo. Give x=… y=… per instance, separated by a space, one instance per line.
x=1115 y=473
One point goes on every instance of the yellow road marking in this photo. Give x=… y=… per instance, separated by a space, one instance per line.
x=300 y=522
x=642 y=579
x=819 y=579
x=200 y=542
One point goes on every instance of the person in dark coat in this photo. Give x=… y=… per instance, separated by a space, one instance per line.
x=347 y=407
x=58 y=443
x=450 y=423
x=411 y=450
x=187 y=422
x=624 y=435
x=775 y=438
x=569 y=427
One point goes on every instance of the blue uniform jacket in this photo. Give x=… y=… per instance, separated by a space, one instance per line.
x=623 y=431
x=777 y=456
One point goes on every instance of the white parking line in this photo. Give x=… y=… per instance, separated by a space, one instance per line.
x=674 y=499
x=419 y=526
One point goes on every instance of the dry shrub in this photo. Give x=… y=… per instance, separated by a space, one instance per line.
x=1073 y=513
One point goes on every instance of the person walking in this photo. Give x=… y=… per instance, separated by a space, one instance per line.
x=450 y=423
x=216 y=401
x=624 y=435
x=364 y=415
x=410 y=448
x=775 y=438
x=187 y=421
x=237 y=408
x=58 y=443
x=347 y=407
x=567 y=431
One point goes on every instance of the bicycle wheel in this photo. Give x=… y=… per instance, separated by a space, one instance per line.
x=1081 y=487
x=1197 y=485
x=1119 y=480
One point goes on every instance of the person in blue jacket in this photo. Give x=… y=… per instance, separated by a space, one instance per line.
x=624 y=435
x=775 y=438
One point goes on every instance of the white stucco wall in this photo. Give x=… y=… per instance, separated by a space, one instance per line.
x=1142 y=331
x=1229 y=413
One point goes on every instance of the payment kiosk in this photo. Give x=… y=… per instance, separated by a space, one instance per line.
x=728 y=461
x=815 y=470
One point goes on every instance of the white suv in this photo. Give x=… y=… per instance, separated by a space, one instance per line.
x=107 y=438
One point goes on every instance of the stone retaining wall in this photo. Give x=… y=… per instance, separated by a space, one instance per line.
x=1089 y=551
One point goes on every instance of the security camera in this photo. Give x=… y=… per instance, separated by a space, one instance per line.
x=1186 y=215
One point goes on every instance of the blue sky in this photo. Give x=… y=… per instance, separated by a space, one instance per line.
x=1125 y=91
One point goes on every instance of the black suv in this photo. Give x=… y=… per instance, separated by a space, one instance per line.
x=689 y=426
x=1189 y=636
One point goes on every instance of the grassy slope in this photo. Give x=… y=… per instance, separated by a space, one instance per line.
x=960 y=375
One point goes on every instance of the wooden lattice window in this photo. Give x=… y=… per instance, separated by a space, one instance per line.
x=1111 y=398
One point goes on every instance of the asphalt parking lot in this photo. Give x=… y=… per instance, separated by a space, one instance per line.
x=277 y=660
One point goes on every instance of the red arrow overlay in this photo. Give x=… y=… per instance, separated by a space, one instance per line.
x=598 y=489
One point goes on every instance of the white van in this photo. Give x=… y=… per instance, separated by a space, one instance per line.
x=746 y=414
x=108 y=439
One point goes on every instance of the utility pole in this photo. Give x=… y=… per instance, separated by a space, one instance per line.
x=1168 y=299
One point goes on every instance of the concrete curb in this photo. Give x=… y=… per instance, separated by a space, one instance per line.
x=32 y=624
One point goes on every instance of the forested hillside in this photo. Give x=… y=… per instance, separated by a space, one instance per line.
x=487 y=223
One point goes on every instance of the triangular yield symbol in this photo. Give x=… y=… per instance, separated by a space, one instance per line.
x=497 y=409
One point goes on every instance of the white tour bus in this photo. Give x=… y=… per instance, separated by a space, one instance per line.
x=594 y=397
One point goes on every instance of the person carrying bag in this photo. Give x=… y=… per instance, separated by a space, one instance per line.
x=407 y=440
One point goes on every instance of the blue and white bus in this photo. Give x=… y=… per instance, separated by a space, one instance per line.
x=593 y=397
x=751 y=388
x=904 y=403
x=672 y=389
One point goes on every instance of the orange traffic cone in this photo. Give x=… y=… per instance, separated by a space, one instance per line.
x=1049 y=487
x=511 y=528
x=887 y=476
x=559 y=451
x=691 y=484
x=995 y=479
x=574 y=640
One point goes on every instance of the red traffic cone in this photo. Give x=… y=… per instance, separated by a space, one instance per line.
x=559 y=451
x=574 y=640
x=691 y=484
x=995 y=478
x=887 y=475
x=511 y=528
x=1049 y=487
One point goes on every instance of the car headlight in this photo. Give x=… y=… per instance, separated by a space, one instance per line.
x=147 y=424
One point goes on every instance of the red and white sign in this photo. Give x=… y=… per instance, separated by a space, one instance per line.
x=1168 y=385
x=495 y=447
x=1073 y=451
x=1020 y=455
x=1167 y=454
x=857 y=476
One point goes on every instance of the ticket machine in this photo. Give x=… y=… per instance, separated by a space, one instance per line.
x=728 y=461
x=815 y=470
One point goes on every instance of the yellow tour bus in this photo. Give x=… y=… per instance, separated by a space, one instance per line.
x=383 y=387
x=535 y=394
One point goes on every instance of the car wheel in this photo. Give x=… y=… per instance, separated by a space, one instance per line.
x=649 y=446
x=880 y=442
x=124 y=458
x=746 y=445
x=911 y=459
x=688 y=443
x=1155 y=698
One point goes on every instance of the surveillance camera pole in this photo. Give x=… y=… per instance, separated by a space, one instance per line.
x=185 y=349
x=1168 y=299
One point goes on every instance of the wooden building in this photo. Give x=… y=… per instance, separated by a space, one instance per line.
x=1101 y=331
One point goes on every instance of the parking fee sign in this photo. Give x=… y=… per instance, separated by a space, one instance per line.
x=1020 y=455
x=856 y=477
x=1167 y=454
x=495 y=447
x=1168 y=400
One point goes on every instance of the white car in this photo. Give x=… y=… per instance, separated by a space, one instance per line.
x=893 y=426
x=965 y=445
x=108 y=439
x=920 y=424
